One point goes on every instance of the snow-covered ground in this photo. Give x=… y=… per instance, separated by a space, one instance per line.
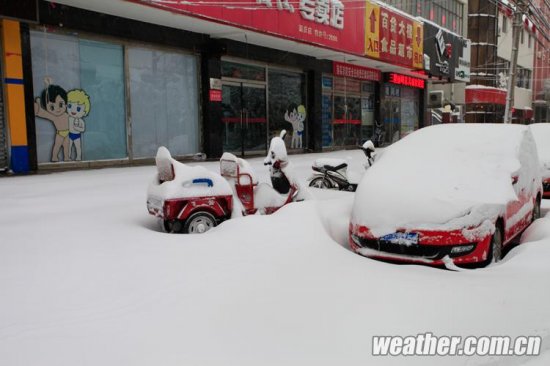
x=87 y=278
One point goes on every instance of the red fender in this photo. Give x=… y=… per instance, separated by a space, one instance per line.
x=219 y=206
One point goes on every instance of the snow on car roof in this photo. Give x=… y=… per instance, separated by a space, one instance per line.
x=541 y=133
x=438 y=174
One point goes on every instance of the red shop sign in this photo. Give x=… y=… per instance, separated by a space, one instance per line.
x=393 y=37
x=215 y=95
x=334 y=24
x=405 y=80
x=354 y=71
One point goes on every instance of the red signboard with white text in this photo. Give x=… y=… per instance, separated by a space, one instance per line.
x=354 y=71
x=334 y=24
x=405 y=80
x=393 y=37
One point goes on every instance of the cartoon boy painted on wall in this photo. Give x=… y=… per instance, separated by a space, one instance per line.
x=296 y=117
x=52 y=105
x=78 y=106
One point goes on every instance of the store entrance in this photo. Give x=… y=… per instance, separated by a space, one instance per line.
x=244 y=118
x=391 y=113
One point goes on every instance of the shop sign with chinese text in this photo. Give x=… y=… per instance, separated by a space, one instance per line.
x=333 y=24
x=404 y=80
x=393 y=37
x=354 y=71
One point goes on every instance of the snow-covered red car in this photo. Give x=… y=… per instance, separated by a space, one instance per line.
x=450 y=195
x=541 y=132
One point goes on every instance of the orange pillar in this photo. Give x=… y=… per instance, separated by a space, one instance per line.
x=15 y=95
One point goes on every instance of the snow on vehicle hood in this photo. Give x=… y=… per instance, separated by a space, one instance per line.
x=189 y=181
x=441 y=177
x=541 y=133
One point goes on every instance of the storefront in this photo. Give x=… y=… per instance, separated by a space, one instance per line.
x=258 y=101
x=108 y=88
x=401 y=107
x=348 y=105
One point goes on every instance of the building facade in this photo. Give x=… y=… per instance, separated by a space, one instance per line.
x=104 y=83
x=446 y=55
x=541 y=79
x=490 y=29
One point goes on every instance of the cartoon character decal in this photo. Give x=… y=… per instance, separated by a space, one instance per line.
x=78 y=106
x=296 y=118
x=65 y=110
x=52 y=106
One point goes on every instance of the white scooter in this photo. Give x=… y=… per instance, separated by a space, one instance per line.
x=257 y=197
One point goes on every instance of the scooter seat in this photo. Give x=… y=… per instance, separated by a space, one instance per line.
x=265 y=196
x=336 y=168
x=330 y=165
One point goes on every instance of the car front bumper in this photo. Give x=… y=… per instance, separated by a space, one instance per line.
x=433 y=248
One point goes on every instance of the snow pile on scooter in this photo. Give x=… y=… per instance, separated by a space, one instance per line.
x=178 y=180
x=264 y=195
x=320 y=163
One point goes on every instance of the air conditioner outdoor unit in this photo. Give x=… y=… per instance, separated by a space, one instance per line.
x=435 y=99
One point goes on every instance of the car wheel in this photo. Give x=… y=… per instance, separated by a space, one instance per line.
x=536 y=210
x=199 y=222
x=495 y=248
x=171 y=226
x=320 y=182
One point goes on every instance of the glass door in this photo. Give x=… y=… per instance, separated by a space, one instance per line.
x=244 y=118
x=391 y=113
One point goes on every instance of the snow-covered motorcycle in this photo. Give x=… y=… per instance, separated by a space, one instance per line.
x=192 y=199
x=332 y=173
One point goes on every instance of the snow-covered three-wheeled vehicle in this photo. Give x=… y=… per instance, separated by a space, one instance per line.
x=192 y=199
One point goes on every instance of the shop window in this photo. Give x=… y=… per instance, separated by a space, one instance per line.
x=326 y=119
x=287 y=106
x=79 y=98
x=241 y=71
x=367 y=110
x=347 y=120
x=409 y=110
x=347 y=111
x=164 y=102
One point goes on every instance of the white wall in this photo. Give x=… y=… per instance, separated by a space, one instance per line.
x=504 y=42
x=454 y=92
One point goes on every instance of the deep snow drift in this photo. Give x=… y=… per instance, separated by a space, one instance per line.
x=87 y=278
